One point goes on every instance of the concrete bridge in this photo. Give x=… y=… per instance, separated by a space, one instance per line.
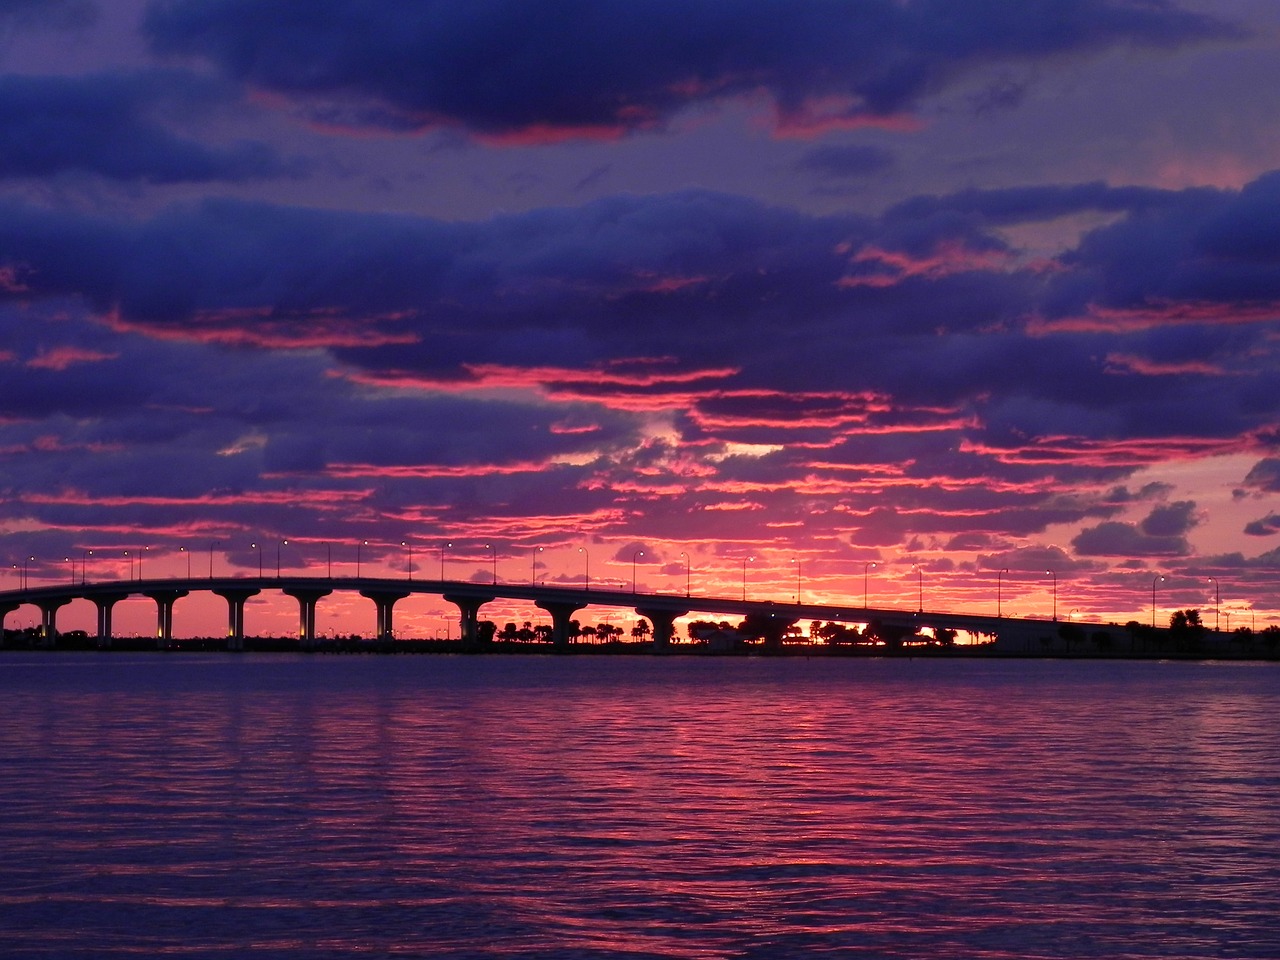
x=660 y=609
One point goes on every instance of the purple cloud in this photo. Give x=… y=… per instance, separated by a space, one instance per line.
x=1161 y=533
x=506 y=67
x=107 y=125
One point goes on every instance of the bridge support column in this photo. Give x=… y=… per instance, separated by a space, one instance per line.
x=663 y=624
x=561 y=614
x=306 y=613
x=386 y=601
x=236 y=597
x=104 y=603
x=49 y=618
x=469 y=615
x=165 y=600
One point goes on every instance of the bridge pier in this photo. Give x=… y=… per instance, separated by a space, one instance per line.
x=386 y=601
x=49 y=618
x=165 y=600
x=468 y=615
x=663 y=622
x=306 y=613
x=561 y=613
x=105 y=603
x=236 y=597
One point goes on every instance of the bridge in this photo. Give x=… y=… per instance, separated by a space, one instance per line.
x=560 y=602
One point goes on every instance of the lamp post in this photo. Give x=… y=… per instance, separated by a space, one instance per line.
x=72 y=564
x=1154 y=580
x=1053 y=574
x=919 y=586
x=188 y=553
x=533 y=566
x=84 y=557
x=442 y=549
x=638 y=553
x=130 y=558
x=258 y=547
x=796 y=561
x=586 y=572
x=359 y=544
x=409 y=549
x=745 y=561
x=279 y=543
x=865 y=567
x=328 y=560
x=999 y=580
x=141 y=551
x=212 y=544
x=1216 y=601
x=493 y=556
x=687 y=577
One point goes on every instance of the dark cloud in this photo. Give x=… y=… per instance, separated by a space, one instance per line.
x=1161 y=533
x=109 y=125
x=1264 y=476
x=1263 y=527
x=507 y=67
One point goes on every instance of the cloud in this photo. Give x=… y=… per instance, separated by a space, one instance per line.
x=696 y=349
x=108 y=125
x=1263 y=527
x=46 y=14
x=509 y=69
x=845 y=161
x=1161 y=533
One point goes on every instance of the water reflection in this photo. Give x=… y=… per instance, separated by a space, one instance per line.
x=602 y=807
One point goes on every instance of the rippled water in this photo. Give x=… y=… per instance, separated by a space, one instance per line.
x=433 y=806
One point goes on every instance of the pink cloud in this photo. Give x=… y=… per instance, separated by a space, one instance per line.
x=1126 y=363
x=1098 y=319
x=60 y=358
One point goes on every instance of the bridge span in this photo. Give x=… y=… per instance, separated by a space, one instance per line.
x=661 y=609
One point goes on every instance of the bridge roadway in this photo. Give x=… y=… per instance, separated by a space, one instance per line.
x=661 y=609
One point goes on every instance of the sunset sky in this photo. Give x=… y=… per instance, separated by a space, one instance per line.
x=787 y=286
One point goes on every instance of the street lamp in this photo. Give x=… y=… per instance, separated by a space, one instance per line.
x=84 y=556
x=586 y=573
x=212 y=544
x=999 y=579
x=745 y=561
x=493 y=556
x=797 y=563
x=638 y=553
x=141 y=551
x=1053 y=574
x=126 y=553
x=328 y=560
x=687 y=575
x=919 y=585
x=72 y=564
x=408 y=547
x=865 y=567
x=1216 y=602
x=442 y=549
x=1154 y=581
x=180 y=550
x=278 y=545
x=533 y=566
x=359 y=544
x=259 y=549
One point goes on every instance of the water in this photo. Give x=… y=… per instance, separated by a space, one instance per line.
x=607 y=807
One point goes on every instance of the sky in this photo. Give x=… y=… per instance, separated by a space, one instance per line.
x=746 y=296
